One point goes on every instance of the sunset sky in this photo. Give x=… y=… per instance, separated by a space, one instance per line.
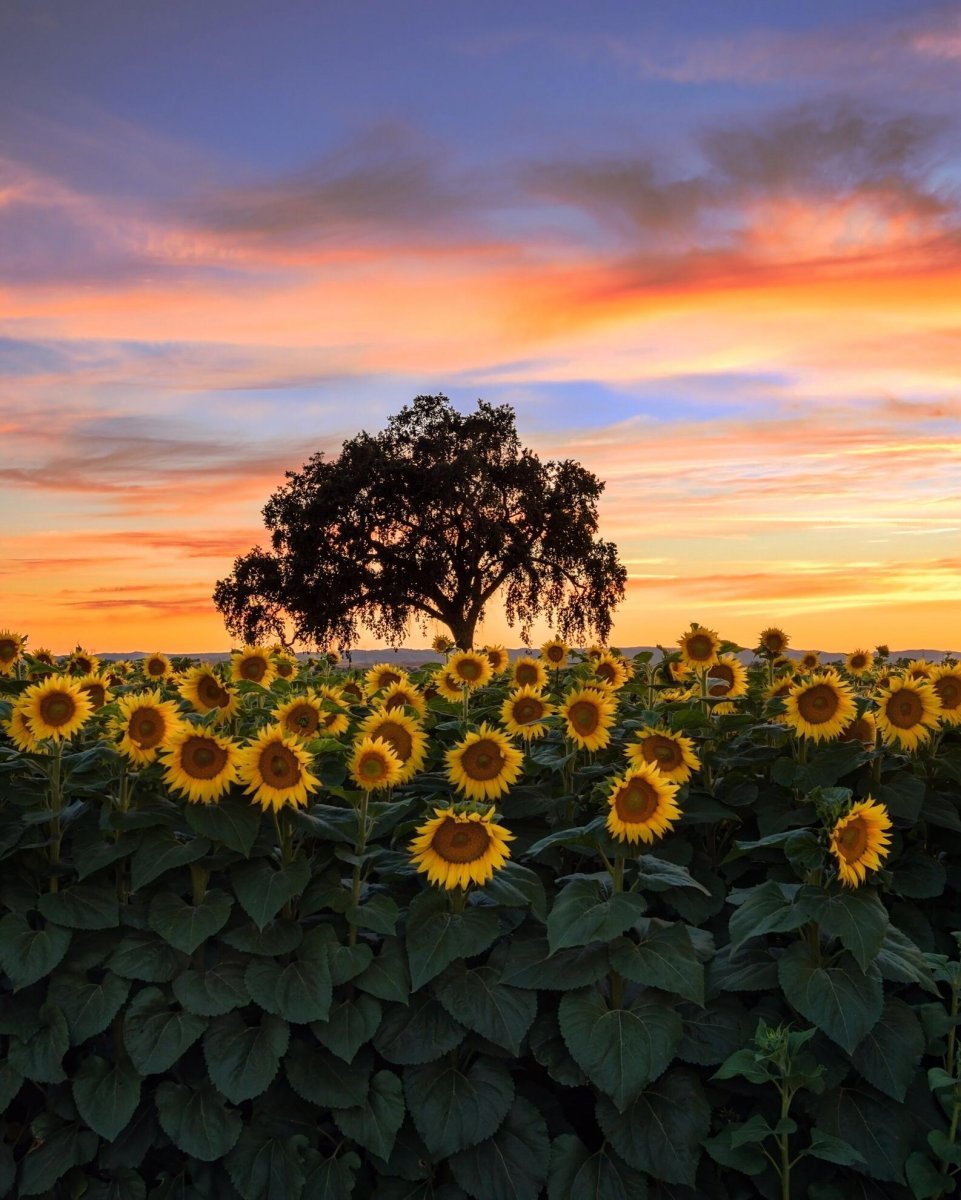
x=713 y=251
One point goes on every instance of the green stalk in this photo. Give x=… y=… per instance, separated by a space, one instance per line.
x=357 y=878
x=56 y=807
x=615 y=979
x=784 y=1146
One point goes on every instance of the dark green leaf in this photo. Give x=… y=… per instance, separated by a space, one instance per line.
x=840 y=999
x=855 y=915
x=352 y=1023
x=661 y=1132
x=161 y=851
x=379 y=913
x=873 y=1125
x=321 y=1078
x=924 y=1179
x=833 y=1150
x=106 y=1094
x=185 y=926
x=454 y=1108
x=512 y=1164
x=480 y=1001
x=663 y=957
x=586 y=912
x=11 y=1082
x=549 y=1049
x=89 y=1007
x=234 y=821
x=751 y=969
x=530 y=964
x=601 y=1175
x=299 y=991
x=39 y=1056
x=330 y=1178
x=658 y=875
x=69 y=1146
x=243 y=1059
x=264 y=889
x=142 y=955
x=515 y=886
x=374 y=1124
x=900 y=960
x=418 y=1034
x=387 y=977
x=620 y=1049
x=902 y=795
x=197 y=1121
x=748 y=1159
x=347 y=962
x=279 y=937
x=124 y=1184
x=82 y=906
x=890 y=1054
x=157 y=1035
x=918 y=876
x=436 y=936
x=712 y=1034
x=767 y=908
x=262 y=1167
x=26 y=954
x=211 y=993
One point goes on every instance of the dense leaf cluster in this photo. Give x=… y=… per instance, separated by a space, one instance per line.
x=196 y=1002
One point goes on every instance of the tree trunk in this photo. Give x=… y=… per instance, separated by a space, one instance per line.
x=462 y=630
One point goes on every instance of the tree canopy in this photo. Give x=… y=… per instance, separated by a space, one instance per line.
x=427 y=520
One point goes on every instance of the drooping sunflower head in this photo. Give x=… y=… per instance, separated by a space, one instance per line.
x=524 y=712
x=156 y=666
x=498 y=658
x=11 y=648
x=859 y=662
x=908 y=712
x=204 y=691
x=483 y=765
x=199 y=763
x=17 y=728
x=727 y=678
x=442 y=644
x=810 y=661
x=374 y=765
x=276 y=770
x=946 y=681
x=819 y=707
x=589 y=714
x=404 y=696
x=671 y=753
x=642 y=804
x=145 y=722
x=383 y=675
x=253 y=664
x=555 y=652
x=611 y=672
x=860 y=841
x=772 y=641
x=456 y=848
x=699 y=646
x=96 y=688
x=471 y=670
x=862 y=729
x=404 y=736
x=56 y=708
x=529 y=672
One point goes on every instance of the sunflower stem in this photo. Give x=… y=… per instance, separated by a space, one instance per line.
x=458 y=899
x=784 y=1145
x=357 y=877
x=56 y=806
x=615 y=979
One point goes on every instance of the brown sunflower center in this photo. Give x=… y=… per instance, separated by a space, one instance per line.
x=858 y=731
x=662 y=751
x=156 y=667
x=385 y=679
x=858 y=662
x=556 y=654
x=482 y=760
x=8 y=649
x=211 y=693
x=399 y=700
x=606 y=671
x=852 y=841
x=396 y=736
x=202 y=758
x=253 y=668
x=724 y=673
x=918 y=673
x=460 y=841
x=81 y=666
x=57 y=708
x=774 y=641
x=528 y=709
x=905 y=709
x=284 y=668
x=373 y=765
x=96 y=692
x=636 y=801
x=495 y=659
x=949 y=692
x=700 y=647
x=585 y=716
x=353 y=689
x=810 y=660
x=526 y=674
x=469 y=669
x=818 y=704
x=302 y=719
x=146 y=728
x=279 y=766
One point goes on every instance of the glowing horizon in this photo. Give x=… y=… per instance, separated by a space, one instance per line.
x=721 y=268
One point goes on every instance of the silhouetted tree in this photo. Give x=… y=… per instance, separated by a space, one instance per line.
x=428 y=519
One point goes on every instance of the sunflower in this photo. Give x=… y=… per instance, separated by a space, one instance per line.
x=859 y=662
x=919 y=668
x=404 y=736
x=678 y=671
x=469 y=669
x=819 y=707
x=374 y=764
x=699 y=646
x=334 y=717
x=56 y=708
x=498 y=658
x=672 y=753
x=442 y=644
x=404 y=695
x=772 y=641
x=529 y=672
x=555 y=652
x=276 y=771
x=455 y=849
x=863 y=729
x=727 y=678
x=252 y=665
x=589 y=714
x=43 y=655
x=202 y=689
x=11 y=647
x=96 y=688
x=353 y=692
x=302 y=716
x=594 y=651
x=908 y=713
x=946 y=682
x=642 y=805
x=199 y=764
x=156 y=666
x=809 y=661
x=523 y=713
x=449 y=686
x=81 y=662
x=145 y=723
x=18 y=729
x=860 y=841
x=484 y=764
x=611 y=672
x=383 y=675
x=286 y=665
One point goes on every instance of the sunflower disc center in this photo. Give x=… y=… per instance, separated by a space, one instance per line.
x=585 y=716
x=818 y=704
x=906 y=710
x=461 y=841
x=253 y=669
x=203 y=759
x=636 y=802
x=853 y=840
x=482 y=761
x=57 y=709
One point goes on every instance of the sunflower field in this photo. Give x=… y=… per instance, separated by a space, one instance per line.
x=561 y=925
